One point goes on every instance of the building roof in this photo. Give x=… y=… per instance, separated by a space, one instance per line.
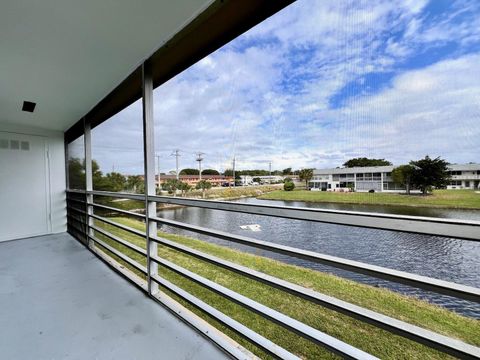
x=373 y=169
x=353 y=170
x=464 y=167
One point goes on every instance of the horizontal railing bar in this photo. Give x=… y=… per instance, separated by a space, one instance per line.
x=84 y=202
x=463 y=229
x=76 y=191
x=74 y=227
x=227 y=344
x=83 y=212
x=126 y=212
x=120 y=226
x=118 y=195
x=439 y=342
x=73 y=218
x=121 y=255
x=419 y=281
x=403 y=223
x=116 y=266
x=250 y=335
x=119 y=240
x=336 y=346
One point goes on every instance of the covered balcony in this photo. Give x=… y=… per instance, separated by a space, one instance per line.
x=84 y=276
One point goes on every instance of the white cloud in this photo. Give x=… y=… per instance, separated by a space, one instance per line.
x=268 y=95
x=433 y=111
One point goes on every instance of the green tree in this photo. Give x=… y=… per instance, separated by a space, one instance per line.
x=184 y=188
x=363 y=162
x=403 y=175
x=306 y=175
x=114 y=181
x=189 y=171
x=203 y=185
x=171 y=185
x=76 y=173
x=287 y=171
x=134 y=183
x=430 y=173
x=210 y=172
x=288 y=186
x=100 y=182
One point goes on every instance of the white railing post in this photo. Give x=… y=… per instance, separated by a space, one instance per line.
x=149 y=163
x=87 y=137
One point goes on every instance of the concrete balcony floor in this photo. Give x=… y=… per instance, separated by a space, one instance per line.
x=58 y=301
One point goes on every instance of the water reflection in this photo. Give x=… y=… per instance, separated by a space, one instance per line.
x=444 y=258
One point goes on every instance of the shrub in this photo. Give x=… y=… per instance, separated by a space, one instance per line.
x=288 y=186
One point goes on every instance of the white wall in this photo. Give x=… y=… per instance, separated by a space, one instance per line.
x=56 y=178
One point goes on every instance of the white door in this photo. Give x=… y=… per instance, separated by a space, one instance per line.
x=24 y=186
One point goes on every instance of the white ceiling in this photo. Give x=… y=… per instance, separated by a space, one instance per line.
x=66 y=55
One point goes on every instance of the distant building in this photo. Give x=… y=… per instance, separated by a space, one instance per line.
x=246 y=180
x=464 y=176
x=192 y=180
x=379 y=179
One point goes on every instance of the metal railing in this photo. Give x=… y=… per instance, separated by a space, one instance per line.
x=469 y=230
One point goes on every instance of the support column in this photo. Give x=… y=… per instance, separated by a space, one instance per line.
x=149 y=163
x=87 y=137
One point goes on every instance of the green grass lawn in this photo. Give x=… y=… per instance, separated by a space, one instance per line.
x=458 y=199
x=366 y=337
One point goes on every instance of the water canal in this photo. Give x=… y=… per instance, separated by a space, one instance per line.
x=443 y=258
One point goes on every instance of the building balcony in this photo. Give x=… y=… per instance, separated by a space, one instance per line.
x=90 y=273
x=465 y=177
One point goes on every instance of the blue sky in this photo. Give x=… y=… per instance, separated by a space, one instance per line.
x=316 y=84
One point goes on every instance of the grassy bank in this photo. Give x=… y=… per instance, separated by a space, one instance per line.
x=454 y=199
x=356 y=333
x=220 y=193
x=235 y=192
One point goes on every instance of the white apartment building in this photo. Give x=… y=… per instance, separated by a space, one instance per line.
x=378 y=179
x=465 y=176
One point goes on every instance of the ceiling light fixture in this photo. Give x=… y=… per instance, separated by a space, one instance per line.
x=28 y=106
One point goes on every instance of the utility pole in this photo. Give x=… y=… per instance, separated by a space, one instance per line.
x=158 y=169
x=176 y=153
x=199 y=159
x=270 y=171
x=233 y=168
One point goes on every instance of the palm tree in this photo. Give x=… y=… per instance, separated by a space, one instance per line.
x=306 y=175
